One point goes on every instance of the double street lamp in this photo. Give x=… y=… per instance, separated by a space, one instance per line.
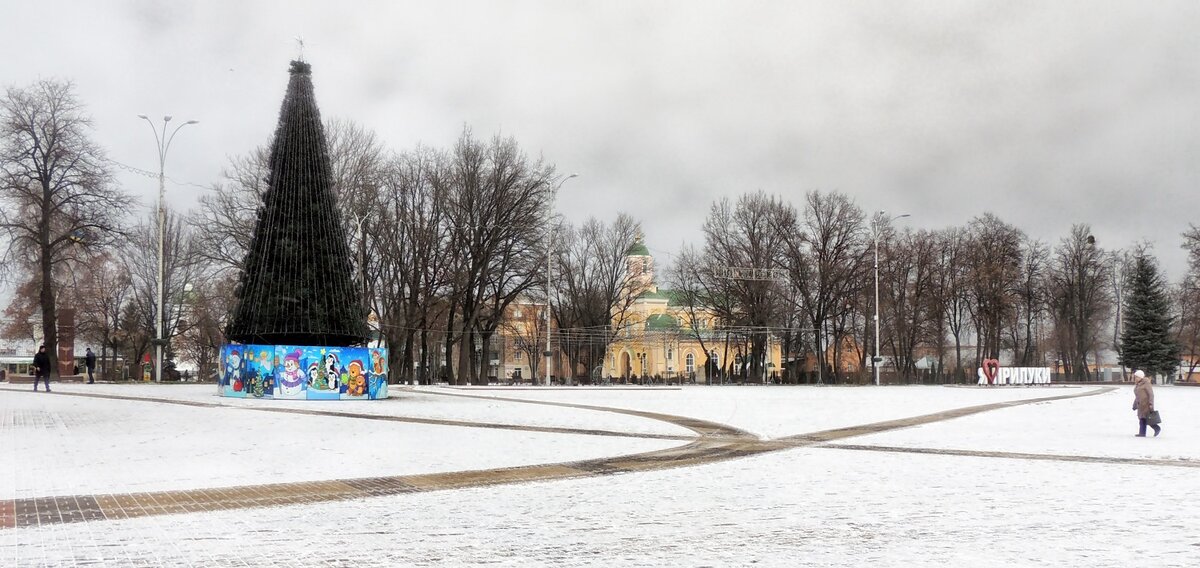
x=549 y=216
x=877 y=359
x=163 y=143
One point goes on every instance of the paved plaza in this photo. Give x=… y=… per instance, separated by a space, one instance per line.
x=147 y=475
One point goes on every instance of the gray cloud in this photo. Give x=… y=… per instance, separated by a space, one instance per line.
x=1047 y=114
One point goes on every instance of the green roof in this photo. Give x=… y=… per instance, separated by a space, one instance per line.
x=672 y=297
x=661 y=321
x=638 y=249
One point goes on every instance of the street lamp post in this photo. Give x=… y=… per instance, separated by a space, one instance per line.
x=877 y=359
x=163 y=144
x=549 y=215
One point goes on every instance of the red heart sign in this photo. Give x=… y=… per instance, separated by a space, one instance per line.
x=991 y=368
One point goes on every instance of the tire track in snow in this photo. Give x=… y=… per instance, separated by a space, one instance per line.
x=716 y=442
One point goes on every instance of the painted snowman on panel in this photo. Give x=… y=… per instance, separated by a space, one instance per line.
x=291 y=380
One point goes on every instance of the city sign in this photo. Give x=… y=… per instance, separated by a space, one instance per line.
x=991 y=373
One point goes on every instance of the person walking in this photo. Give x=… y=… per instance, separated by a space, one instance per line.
x=1143 y=402
x=41 y=368
x=90 y=362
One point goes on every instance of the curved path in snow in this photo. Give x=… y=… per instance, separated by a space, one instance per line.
x=713 y=442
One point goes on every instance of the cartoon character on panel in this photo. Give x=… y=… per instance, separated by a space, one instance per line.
x=333 y=371
x=324 y=372
x=357 y=383
x=377 y=380
x=316 y=379
x=378 y=363
x=260 y=366
x=234 y=373
x=292 y=377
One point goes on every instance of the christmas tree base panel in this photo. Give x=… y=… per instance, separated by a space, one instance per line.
x=303 y=372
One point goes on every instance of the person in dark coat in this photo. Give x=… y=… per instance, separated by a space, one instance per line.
x=90 y=362
x=1143 y=402
x=41 y=367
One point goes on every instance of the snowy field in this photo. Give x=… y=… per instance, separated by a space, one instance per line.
x=76 y=445
x=810 y=506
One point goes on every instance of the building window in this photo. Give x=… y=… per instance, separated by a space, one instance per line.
x=516 y=355
x=669 y=353
x=690 y=363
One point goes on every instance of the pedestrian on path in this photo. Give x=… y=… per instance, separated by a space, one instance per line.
x=41 y=368
x=90 y=361
x=1143 y=402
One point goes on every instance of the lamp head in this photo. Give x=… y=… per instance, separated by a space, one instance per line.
x=167 y=118
x=143 y=117
x=192 y=122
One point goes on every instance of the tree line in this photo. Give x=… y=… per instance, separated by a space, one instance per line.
x=948 y=298
x=449 y=242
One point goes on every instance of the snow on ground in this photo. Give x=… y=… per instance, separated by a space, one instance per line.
x=778 y=411
x=407 y=403
x=802 y=507
x=1101 y=425
x=61 y=445
x=807 y=507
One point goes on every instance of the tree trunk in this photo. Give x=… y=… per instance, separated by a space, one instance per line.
x=407 y=360
x=449 y=342
x=49 y=310
x=423 y=373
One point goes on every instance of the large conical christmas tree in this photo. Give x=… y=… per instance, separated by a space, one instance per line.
x=1147 y=342
x=297 y=285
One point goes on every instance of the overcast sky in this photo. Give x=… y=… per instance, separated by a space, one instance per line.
x=1045 y=113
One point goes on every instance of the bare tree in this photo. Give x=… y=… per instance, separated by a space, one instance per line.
x=1122 y=268
x=229 y=210
x=747 y=235
x=688 y=277
x=1188 y=295
x=952 y=294
x=495 y=197
x=409 y=243
x=1187 y=326
x=907 y=271
x=1026 y=328
x=60 y=201
x=595 y=288
x=827 y=254
x=23 y=315
x=526 y=331
x=103 y=292
x=995 y=270
x=204 y=310
x=1079 y=298
x=183 y=270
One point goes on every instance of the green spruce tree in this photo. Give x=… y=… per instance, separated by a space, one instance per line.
x=297 y=285
x=1146 y=341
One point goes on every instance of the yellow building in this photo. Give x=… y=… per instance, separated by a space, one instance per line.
x=656 y=337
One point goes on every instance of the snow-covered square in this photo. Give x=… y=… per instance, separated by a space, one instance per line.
x=1058 y=482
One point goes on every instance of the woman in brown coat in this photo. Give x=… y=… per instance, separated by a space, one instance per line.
x=1143 y=402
